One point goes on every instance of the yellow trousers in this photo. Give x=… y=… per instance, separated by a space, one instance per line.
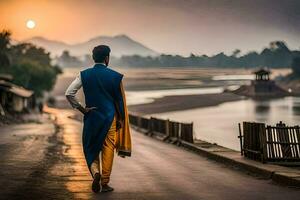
x=106 y=155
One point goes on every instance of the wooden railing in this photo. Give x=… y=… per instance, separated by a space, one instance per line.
x=277 y=144
x=169 y=130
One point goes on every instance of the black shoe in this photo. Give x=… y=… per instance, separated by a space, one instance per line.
x=107 y=188
x=96 y=186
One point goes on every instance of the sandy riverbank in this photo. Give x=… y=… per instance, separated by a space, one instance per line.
x=176 y=103
x=158 y=79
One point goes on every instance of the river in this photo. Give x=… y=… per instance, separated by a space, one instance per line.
x=219 y=124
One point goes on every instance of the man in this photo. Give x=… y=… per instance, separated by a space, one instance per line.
x=106 y=124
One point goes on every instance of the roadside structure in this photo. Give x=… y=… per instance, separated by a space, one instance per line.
x=14 y=98
x=277 y=144
x=262 y=87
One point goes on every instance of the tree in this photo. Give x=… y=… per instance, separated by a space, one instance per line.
x=236 y=53
x=30 y=65
x=66 y=60
x=33 y=76
x=27 y=51
x=4 y=50
x=296 y=66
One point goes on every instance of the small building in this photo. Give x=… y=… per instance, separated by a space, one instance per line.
x=262 y=86
x=262 y=75
x=262 y=83
x=14 y=98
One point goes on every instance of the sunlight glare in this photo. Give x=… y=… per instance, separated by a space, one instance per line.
x=30 y=24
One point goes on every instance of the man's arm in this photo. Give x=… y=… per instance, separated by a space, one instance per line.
x=71 y=95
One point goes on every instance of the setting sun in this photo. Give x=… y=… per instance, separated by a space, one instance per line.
x=30 y=24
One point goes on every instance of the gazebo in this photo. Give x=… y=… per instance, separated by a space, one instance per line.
x=262 y=75
x=262 y=86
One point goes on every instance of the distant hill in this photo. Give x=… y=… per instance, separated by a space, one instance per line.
x=120 y=45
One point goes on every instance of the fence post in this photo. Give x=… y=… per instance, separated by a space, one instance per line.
x=192 y=132
x=263 y=143
x=150 y=132
x=167 y=132
x=241 y=139
x=179 y=134
x=139 y=123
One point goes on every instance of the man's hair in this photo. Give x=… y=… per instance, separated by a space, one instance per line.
x=100 y=52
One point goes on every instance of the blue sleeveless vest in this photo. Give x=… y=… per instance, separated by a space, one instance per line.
x=101 y=87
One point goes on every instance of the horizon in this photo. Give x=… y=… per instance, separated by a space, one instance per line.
x=181 y=28
x=69 y=43
x=160 y=53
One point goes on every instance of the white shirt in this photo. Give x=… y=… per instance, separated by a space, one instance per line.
x=72 y=90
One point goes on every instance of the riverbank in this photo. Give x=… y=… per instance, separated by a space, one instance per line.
x=177 y=103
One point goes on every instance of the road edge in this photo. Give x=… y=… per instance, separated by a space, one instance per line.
x=278 y=174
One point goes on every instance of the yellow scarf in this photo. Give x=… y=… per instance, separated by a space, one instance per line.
x=123 y=142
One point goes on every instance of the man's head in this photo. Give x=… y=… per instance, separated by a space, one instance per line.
x=101 y=54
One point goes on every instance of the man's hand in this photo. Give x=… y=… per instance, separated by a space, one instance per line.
x=87 y=110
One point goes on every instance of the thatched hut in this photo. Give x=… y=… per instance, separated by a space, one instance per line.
x=14 y=98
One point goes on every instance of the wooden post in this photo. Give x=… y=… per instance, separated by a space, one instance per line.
x=151 y=126
x=297 y=137
x=139 y=123
x=263 y=143
x=167 y=127
x=192 y=132
x=241 y=137
x=245 y=138
x=167 y=132
x=179 y=134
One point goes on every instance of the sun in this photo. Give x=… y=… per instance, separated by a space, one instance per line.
x=30 y=24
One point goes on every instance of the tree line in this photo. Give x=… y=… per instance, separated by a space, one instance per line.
x=277 y=55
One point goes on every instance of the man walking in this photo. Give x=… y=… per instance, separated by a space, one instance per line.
x=106 y=124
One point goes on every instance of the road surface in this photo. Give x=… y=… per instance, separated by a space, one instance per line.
x=156 y=170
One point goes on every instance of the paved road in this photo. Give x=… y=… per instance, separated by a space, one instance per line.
x=28 y=153
x=161 y=171
x=155 y=171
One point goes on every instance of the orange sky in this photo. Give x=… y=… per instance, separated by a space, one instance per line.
x=71 y=21
x=167 y=26
x=54 y=19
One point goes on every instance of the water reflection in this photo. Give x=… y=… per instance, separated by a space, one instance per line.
x=262 y=106
x=296 y=107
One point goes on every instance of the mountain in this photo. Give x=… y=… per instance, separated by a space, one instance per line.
x=120 y=45
x=54 y=47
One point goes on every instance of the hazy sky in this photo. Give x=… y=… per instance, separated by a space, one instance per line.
x=167 y=26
